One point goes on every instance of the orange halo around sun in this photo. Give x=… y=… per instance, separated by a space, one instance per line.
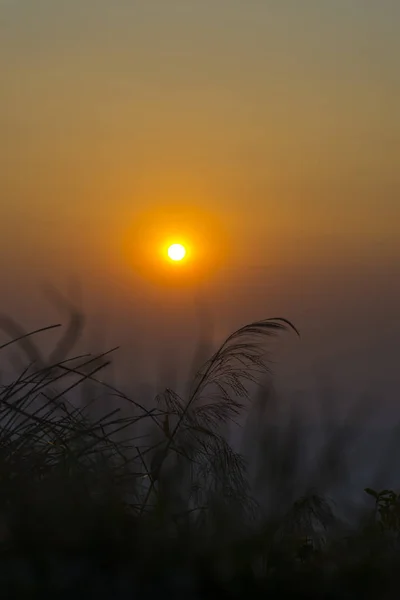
x=172 y=235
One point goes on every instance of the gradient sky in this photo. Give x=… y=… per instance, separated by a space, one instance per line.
x=279 y=117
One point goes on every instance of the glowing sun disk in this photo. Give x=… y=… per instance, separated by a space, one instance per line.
x=176 y=252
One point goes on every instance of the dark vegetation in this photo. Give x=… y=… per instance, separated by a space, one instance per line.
x=105 y=496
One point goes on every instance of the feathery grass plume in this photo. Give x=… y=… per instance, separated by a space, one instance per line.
x=309 y=520
x=217 y=395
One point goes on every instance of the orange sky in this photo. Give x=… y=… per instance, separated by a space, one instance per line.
x=279 y=122
x=283 y=121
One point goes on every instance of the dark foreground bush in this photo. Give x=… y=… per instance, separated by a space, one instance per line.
x=145 y=500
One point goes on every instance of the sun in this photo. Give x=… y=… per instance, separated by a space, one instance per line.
x=176 y=252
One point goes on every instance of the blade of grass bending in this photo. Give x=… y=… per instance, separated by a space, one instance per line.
x=26 y=335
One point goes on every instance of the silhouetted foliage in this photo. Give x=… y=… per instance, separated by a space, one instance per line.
x=157 y=500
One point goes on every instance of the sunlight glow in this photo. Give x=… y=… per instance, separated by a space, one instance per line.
x=176 y=252
x=175 y=244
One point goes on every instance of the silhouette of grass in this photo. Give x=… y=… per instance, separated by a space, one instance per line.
x=155 y=499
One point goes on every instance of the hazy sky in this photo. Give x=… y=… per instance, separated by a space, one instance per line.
x=279 y=117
